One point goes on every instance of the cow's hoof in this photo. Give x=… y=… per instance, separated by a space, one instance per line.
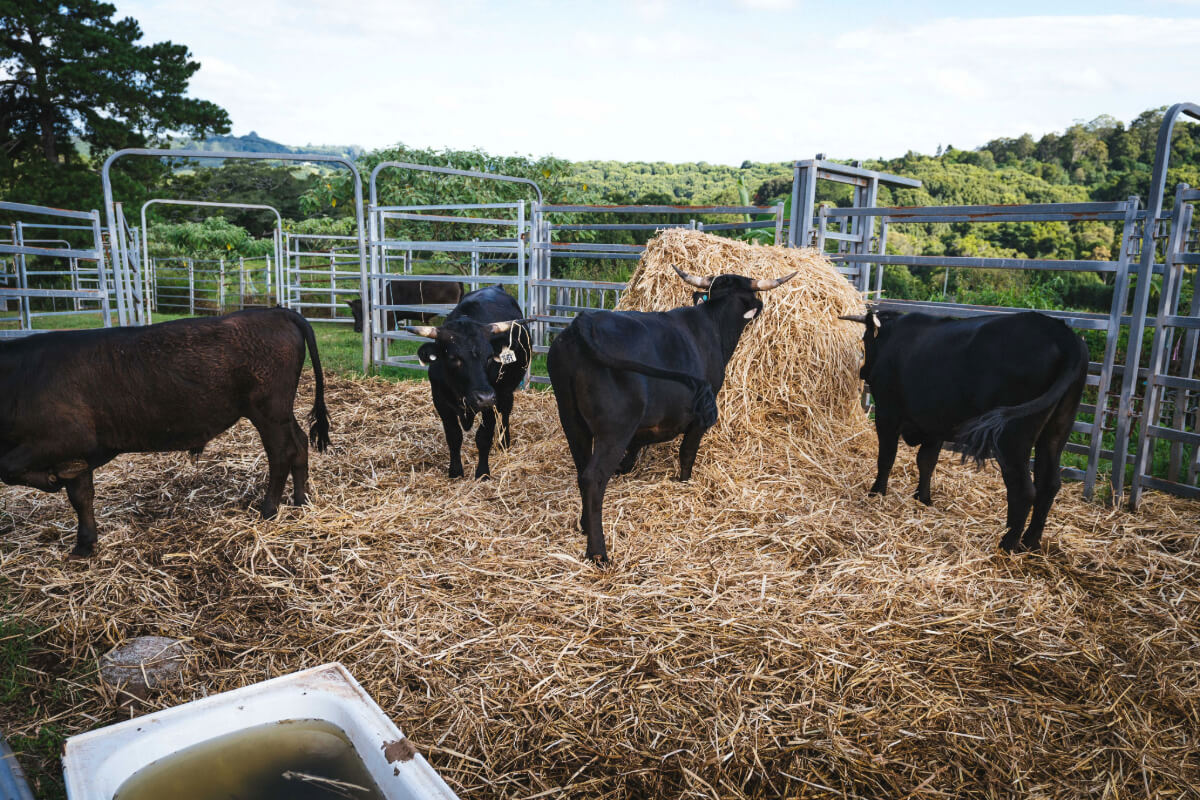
x=268 y=512
x=484 y=476
x=80 y=552
x=1010 y=546
x=1029 y=547
x=926 y=500
x=596 y=560
x=877 y=492
x=456 y=473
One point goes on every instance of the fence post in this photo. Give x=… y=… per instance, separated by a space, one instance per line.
x=241 y=282
x=22 y=279
x=221 y=285
x=778 y=224
x=191 y=288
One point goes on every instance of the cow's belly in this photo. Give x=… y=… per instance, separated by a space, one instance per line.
x=662 y=432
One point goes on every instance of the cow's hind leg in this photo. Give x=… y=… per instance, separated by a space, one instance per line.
x=629 y=461
x=82 y=493
x=579 y=439
x=299 y=461
x=927 y=458
x=276 y=439
x=688 y=449
x=593 y=482
x=1047 y=479
x=1014 y=466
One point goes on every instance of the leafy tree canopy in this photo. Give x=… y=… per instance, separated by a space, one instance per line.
x=72 y=72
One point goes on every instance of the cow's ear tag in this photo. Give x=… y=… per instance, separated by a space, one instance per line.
x=751 y=313
x=432 y=357
x=507 y=356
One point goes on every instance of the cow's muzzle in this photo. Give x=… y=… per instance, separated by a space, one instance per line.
x=483 y=399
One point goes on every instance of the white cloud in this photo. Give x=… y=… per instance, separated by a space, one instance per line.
x=768 y=5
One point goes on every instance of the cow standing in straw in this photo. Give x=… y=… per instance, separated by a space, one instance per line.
x=626 y=379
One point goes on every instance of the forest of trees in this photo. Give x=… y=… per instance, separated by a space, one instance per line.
x=57 y=123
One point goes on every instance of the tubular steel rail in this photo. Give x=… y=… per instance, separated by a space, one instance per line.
x=320 y=275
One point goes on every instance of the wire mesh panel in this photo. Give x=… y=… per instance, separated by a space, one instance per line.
x=54 y=272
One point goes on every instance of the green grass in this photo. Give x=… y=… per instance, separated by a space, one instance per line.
x=31 y=679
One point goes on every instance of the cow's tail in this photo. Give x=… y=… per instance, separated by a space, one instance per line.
x=704 y=402
x=977 y=438
x=318 y=431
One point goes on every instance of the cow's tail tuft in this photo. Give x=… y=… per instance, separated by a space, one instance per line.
x=318 y=416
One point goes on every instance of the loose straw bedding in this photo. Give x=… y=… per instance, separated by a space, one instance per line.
x=765 y=630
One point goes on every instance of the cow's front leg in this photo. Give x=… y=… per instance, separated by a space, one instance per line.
x=484 y=436
x=688 y=449
x=927 y=458
x=454 y=438
x=629 y=461
x=888 y=433
x=81 y=492
x=504 y=403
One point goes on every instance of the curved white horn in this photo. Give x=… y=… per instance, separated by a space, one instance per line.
x=764 y=285
x=428 y=331
x=861 y=319
x=698 y=282
x=503 y=327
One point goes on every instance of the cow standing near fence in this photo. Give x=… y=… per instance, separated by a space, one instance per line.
x=626 y=379
x=411 y=293
x=477 y=359
x=72 y=401
x=995 y=387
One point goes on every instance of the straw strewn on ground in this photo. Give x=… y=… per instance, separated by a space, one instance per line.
x=766 y=629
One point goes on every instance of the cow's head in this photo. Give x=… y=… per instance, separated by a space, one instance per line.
x=736 y=289
x=873 y=324
x=461 y=351
x=356 y=310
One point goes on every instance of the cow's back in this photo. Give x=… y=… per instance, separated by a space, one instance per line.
x=939 y=373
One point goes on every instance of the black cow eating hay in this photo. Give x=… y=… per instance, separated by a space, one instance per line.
x=996 y=387
x=72 y=401
x=626 y=379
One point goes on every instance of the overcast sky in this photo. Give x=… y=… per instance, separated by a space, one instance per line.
x=716 y=80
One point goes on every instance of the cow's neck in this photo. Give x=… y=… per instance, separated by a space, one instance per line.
x=727 y=323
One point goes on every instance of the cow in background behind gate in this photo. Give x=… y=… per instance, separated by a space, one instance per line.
x=411 y=293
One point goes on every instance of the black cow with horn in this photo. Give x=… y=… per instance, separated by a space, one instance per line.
x=477 y=359
x=991 y=386
x=71 y=401
x=626 y=379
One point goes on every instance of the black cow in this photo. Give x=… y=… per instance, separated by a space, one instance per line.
x=995 y=387
x=411 y=293
x=477 y=359
x=72 y=401
x=626 y=379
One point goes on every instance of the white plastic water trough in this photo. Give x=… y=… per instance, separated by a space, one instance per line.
x=95 y=764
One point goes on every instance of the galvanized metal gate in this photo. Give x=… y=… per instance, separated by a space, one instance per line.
x=395 y=258
x=321 y=274
x=46 y=276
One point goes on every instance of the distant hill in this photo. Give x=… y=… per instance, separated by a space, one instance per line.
x=253 y=143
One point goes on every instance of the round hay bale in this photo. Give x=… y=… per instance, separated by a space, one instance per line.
x=797 y=363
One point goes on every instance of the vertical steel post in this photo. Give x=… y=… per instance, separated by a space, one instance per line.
x=101 y=278
x=191 y=268
x=797 y=191
x=520 y=236
x=24 y=302
x=778 y=224
x=1111 y=338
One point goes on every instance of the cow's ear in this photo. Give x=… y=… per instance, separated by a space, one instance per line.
x=428 y=353
x=874 y=323
x=699 y=297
